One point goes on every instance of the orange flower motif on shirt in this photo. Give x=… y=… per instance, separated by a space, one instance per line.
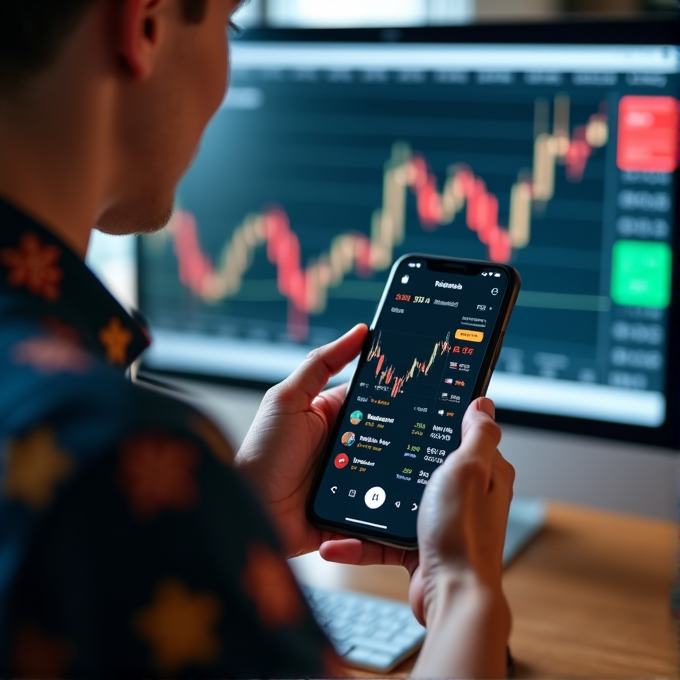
x=179 y=626
x=37 y=655
x=34 y=466
x=33 y=265
x=115 y=338
x=51 y=355
x=268 y=581
x=157 y=473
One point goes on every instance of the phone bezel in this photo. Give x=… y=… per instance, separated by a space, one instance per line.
x=488 y=363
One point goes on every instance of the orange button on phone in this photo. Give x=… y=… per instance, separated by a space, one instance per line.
x=470 y=336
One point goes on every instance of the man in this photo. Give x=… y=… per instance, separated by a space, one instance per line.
x=131 y=543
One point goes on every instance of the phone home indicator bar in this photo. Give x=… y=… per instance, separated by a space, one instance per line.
x=361 y=521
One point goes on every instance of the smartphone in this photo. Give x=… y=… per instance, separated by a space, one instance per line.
x=430 y=351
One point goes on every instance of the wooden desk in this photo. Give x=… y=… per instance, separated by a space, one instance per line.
x=589 y=596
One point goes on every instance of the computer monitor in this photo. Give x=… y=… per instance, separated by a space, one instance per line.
x=551 y=147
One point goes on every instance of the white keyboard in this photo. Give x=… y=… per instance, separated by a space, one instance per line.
x=368 y=632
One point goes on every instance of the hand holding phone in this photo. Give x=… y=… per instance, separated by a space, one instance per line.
x=431 y=350
x=281 y=450
x=457 y=591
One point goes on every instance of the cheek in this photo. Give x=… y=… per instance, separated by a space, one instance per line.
x=200 y=91
x=216 y=73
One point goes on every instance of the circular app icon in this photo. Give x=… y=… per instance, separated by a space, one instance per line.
x=375 y=497
x=348 y=438
x=341 y=460
x=356 y=417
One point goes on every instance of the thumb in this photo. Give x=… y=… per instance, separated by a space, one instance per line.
x=480 y=434
x=321 y=364
x=475 y=455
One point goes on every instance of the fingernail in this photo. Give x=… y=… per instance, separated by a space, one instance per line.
x=487 y=406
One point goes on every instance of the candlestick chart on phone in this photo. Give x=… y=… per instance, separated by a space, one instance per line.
x=393 y=372
x=296 y=260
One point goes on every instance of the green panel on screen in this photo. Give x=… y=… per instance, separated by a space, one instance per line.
x=641 y=274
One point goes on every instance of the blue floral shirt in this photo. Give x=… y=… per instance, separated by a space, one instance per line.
x=129 y=546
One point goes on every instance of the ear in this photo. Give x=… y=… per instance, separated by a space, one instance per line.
x=141 y=28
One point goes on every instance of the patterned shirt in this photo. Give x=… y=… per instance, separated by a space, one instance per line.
x=129 y=545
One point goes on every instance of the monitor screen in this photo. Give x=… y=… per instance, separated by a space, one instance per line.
x=329 y=159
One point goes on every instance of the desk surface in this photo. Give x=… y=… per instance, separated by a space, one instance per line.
x=589 y=596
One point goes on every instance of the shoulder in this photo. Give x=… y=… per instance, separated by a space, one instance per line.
x=63 y=410
x=161 y=536
x=49 y=378
x=118 y=499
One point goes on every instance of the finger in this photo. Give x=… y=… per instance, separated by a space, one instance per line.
x=330 y=401
x=471 y=464
x=354 y=551
x=321 y=364
x=480 y=433
x=483 y=404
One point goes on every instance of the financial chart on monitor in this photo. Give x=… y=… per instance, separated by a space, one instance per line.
x=326 y=162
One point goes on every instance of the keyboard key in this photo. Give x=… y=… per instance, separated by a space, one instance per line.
x=371 y=643
x=382 y=634
x=405 y=641
x=368 y=657
x=342 y=646
x=362 y=629
x=392 y=627
x=366 y=617
x=340 y=633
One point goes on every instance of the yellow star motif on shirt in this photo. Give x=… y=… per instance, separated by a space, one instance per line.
x=115 y=339
x=34 y=467
x=179 y=627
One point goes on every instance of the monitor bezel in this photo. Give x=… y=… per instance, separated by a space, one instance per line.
x=663 y=29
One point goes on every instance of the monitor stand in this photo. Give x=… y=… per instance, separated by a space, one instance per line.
x=527 y=516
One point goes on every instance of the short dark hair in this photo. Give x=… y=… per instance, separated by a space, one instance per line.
x=33 y=31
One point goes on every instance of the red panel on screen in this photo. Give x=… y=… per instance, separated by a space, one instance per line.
x=648 y=134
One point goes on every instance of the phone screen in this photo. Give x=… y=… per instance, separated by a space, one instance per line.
x=425 y=359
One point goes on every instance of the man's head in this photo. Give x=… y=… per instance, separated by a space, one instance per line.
x=138 y=79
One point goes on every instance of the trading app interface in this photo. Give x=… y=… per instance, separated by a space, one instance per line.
x=404 y=413
x=327 y=162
